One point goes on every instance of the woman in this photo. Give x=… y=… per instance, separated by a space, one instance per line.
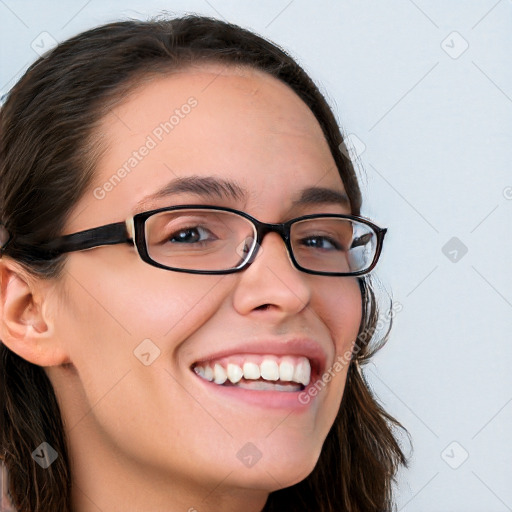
x=162 y=348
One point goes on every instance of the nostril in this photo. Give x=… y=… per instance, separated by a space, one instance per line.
x=263 y=307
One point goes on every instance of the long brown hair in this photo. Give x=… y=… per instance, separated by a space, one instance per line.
x=48 y=151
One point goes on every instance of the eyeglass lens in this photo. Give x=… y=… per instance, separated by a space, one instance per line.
x=216 y=240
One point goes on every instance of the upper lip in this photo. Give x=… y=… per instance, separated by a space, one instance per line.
x=306 y=347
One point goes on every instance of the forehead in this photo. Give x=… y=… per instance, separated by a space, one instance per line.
x=241 y=125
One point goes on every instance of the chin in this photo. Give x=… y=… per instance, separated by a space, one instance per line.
x=277 y=472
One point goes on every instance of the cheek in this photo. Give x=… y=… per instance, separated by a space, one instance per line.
x=112 y=309
x=340 y=307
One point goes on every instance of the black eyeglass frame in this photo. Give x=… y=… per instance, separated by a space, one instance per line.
x=132 y=231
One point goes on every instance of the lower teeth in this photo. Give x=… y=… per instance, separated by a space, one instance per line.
x=263 y=385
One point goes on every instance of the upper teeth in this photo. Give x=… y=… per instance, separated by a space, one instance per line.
x=273 y=368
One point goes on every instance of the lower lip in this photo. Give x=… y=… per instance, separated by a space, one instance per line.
x=291 y=400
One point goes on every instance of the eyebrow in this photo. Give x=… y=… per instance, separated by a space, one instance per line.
x=214 y=187
x=203 y=186
x=322 y=195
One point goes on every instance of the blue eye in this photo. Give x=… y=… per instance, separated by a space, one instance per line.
x=321 y=242
x=190 y=235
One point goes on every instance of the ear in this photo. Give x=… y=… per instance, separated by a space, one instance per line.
x=26 y=323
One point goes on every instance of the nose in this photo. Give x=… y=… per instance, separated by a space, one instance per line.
x=272 y=280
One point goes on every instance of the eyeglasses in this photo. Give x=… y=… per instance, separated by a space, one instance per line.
x=200 y=239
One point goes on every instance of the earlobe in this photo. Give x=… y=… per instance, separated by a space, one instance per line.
x=25 y=328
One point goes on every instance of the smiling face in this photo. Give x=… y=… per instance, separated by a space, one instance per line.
x=134 y=333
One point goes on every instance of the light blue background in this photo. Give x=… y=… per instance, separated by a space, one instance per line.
x=434 y=130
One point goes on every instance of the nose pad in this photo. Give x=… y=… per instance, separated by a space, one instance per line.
x=249 y=245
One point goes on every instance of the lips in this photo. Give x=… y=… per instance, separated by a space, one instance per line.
x=278 y=395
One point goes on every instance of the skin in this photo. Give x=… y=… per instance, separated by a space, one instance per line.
x=150 y=437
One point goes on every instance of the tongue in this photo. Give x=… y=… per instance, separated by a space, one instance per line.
x=265 y=385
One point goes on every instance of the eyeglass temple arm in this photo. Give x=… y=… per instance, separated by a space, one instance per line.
x=110 y=234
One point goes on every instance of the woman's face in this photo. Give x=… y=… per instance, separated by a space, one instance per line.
x=130 y=398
